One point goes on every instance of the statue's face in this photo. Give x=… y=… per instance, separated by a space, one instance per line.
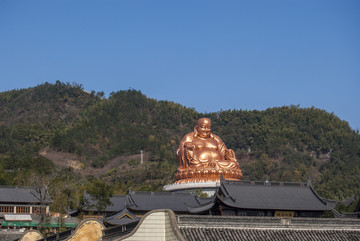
x=204 y=129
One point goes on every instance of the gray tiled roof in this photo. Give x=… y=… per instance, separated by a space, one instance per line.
x=16 y=195
x=117 y=203
x=147 y=201
x=272 y=196
x=238 y=194
x=121 y=218
x=230 y=234
x=195 y=227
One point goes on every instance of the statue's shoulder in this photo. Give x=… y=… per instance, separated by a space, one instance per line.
x=217 y=138
x=188 y=137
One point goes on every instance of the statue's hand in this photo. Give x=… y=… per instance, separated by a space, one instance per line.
x=229 y=154
x=189 y=146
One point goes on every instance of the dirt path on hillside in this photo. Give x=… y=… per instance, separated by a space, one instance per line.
x=63 y=159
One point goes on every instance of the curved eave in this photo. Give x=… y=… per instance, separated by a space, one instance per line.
x=349 y=201
x=223 y=188
x=227 y=201
x=329 y=205
x=345 y=202
x=72 y=211
x=133 y=208
x=124 y=212
x=130 y=199
x=201 y=208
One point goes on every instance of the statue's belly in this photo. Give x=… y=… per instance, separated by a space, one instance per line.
x=208 y=154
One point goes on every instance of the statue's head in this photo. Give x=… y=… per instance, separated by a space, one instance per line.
x=203 y=128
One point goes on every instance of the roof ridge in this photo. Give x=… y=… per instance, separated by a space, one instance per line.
x=161 y=193
x=285 y=227
x=15 y=187
x=261 y=183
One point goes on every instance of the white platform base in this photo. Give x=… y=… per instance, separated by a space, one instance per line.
x=207 y=187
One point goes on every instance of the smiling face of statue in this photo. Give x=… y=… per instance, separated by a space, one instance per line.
x=203 y=127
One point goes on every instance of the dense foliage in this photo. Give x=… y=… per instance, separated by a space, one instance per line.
x=126 y=123
x=279 y=144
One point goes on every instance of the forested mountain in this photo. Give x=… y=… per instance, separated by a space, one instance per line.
x=29 y=119
x=46 y=104
x=106 y=135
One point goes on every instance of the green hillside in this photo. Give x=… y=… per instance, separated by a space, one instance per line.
x=294 y=144
x=105 y=136
x=126 y=123
x=46 y=104
x=29 y=119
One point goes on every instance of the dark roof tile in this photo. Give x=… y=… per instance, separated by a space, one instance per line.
x=255 y=234
x=117 y=203
x=122 y=217
x=147 y=201
x=286 y=196
x=16 y=194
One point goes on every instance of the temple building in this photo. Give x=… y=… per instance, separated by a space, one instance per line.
x=271 y=199
x=231 y=198
x=21 y=208
x=22 y=200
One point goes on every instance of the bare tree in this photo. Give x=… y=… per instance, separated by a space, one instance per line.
x=39 y=184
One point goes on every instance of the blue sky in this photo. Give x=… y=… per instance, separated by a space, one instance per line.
x=209 y=55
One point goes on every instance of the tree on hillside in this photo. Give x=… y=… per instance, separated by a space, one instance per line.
x=100 y=193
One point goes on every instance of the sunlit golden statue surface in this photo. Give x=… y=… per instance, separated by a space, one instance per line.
x=203 y=157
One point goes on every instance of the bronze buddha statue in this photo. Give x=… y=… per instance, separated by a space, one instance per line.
x=203 y=157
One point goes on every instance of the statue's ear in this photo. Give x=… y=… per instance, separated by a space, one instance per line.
x=195 y=131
